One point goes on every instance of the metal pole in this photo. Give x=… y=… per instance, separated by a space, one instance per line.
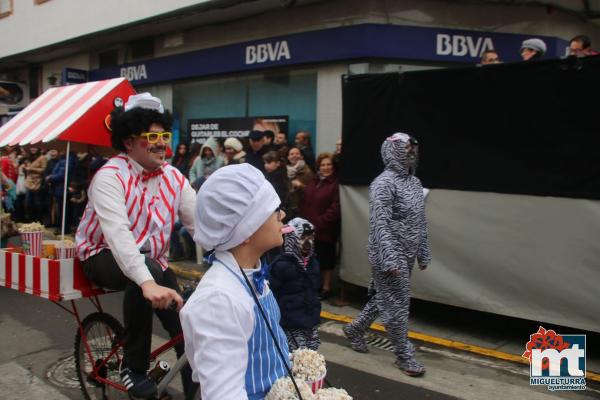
x=64 y=204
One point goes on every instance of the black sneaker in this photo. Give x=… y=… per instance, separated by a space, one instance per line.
x=138 y=384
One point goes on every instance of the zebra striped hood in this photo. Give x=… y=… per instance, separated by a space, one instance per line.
x=293 y=242
x=397 y=222
x=395 y=156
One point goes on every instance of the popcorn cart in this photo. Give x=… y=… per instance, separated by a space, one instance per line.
x=78 y=115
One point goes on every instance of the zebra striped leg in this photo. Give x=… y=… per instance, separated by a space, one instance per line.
x=393 y=301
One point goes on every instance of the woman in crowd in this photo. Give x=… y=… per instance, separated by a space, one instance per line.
x=208 y=162
x=34 y=197
x=22 y=163
x=9 y=163
x=321 y=206
x=299 y=175
x=181 y=159
x=234 y=151
x=194 y=154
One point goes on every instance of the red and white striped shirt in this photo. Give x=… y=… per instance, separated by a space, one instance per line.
x=133 y=215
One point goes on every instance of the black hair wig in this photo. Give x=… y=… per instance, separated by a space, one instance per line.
x=125 y=124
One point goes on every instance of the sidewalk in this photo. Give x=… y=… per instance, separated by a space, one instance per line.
x=485 y=334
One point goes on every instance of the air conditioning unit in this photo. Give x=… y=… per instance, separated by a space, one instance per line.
x=13 y=94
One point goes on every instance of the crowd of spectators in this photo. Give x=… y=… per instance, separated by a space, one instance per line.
x=307 y=187
x=33 y=182
x=534 y=48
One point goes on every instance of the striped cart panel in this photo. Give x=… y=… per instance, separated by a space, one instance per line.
x=55 y=280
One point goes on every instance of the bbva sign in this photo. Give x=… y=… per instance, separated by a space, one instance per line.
x=263 y=52
x=459 y=45
x=134 y=72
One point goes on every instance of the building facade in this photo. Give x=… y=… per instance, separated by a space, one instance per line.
x=224 y=59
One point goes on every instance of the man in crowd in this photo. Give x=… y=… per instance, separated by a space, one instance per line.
x=280 y=144
x=52 y=156
x=581 y=46
x=254 y=157
x=281 y=139
x=123 y=235
x=490 y=57
x=269 y=140
x=303 y=143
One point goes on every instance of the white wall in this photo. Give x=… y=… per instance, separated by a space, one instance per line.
x=329 y=106
x=78 y=61
x=32 y=26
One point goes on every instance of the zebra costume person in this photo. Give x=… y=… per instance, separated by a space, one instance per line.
x=397 y=236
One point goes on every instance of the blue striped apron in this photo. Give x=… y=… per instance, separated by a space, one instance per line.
x=264 y=364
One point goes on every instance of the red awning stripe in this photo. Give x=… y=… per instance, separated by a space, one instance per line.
x=44 y=117
x=11 y=125
x=98 y=92
x=74 y=107
x=50 y=116
x=54 y=112
x=32 y=114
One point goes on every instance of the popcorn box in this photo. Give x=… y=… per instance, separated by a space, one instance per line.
x=32 y=243
x=65 y=252
x=317 y=384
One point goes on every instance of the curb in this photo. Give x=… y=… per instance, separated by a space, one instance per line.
x=186 y=273
x=453 y=344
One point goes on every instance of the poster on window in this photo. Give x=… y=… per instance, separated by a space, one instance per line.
x=199 y=130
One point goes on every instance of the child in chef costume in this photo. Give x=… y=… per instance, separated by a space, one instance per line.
x=227 y=340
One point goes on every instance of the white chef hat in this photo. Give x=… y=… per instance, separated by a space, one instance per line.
x=144 y=100
x=231 y=205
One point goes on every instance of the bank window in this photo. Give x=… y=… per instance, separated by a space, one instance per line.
x=6 y=8
x=287 y=93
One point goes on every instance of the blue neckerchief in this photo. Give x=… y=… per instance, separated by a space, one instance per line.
x=258 y=277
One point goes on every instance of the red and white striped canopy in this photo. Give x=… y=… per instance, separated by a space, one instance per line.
x=75 y=113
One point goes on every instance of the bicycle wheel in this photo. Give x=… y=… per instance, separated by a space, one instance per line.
x=101 y=332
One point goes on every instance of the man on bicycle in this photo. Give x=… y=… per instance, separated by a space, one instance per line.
x=123 y=236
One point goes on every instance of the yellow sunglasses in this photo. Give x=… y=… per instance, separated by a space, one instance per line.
x=153 y=137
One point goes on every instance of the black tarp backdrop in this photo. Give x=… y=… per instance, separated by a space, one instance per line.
x=520 y=128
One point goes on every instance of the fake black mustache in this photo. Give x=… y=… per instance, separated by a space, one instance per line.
x=156 y=149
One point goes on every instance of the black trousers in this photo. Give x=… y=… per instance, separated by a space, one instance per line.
x=103 y=270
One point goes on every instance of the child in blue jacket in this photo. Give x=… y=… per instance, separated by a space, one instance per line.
x=295 y=281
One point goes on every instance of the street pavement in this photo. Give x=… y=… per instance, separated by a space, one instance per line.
x=38 y=336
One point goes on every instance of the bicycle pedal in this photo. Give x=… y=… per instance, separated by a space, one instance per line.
x=102 y=372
